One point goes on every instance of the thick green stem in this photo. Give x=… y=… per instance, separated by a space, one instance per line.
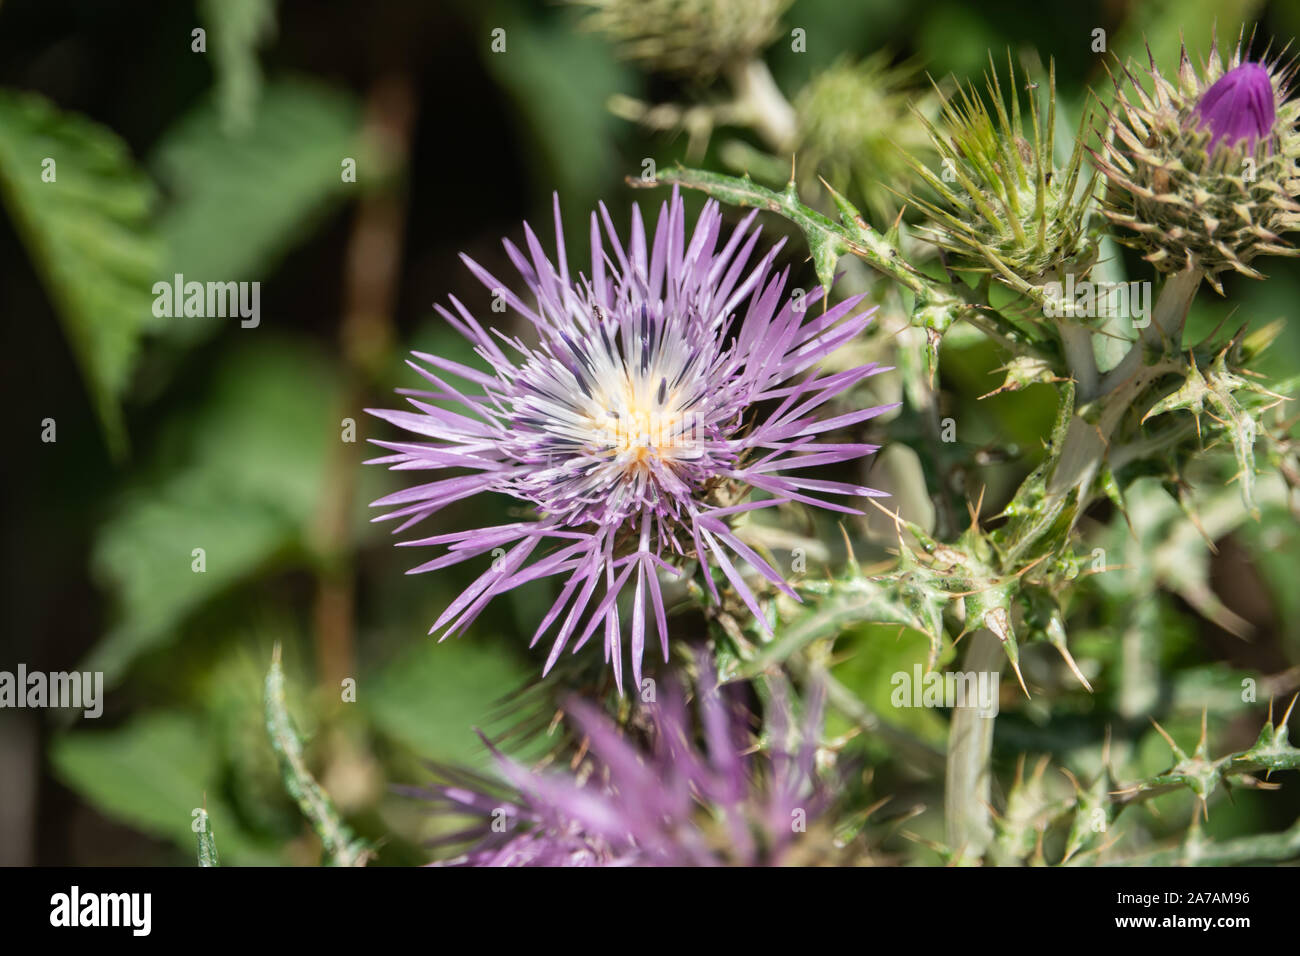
x=1241 y=851
x=1165 y=330
x=1092 y=428
x=968 y=788
x=1076 y=341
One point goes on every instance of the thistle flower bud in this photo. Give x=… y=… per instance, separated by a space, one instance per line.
x=857 y=127
x=1202 y=170
x=698 y=38
x=1003 y=204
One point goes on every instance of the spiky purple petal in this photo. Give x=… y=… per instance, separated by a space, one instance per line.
x=671 y=803
x=1239 y=107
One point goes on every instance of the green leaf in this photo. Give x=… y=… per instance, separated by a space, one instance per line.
x=237 y=28
x=153 y=773
x=239 y=202
x=239 y=477
x=431 y=696
x=563 y=109
x=870 y=656
x=89 y=235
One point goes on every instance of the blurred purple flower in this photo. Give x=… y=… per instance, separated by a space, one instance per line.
x=632 y=426
x=672 y=804
x=1239 y=107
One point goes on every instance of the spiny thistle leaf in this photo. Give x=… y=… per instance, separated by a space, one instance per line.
x=989 y=607
x=341 y=846
x=1202 y=775
x=1231 y=400
x=1093 y=813
x=207 y=840
x=1030 y=810
x=827 y=240
x=1272 y=749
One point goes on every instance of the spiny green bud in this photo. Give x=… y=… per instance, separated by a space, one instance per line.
x=1201 y=170
x=1003 y=204
x=856 y=122
x=698 y=38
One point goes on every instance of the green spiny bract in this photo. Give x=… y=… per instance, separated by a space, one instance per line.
x=1197 y=772
x=1030 y=810
x=1003 y=205
x=1222 y=389
x=698 y=38
x=1187 y=197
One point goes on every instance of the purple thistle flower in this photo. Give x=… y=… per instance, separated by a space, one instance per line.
x=672 y=803
x=1238 y=107
x=622 y=425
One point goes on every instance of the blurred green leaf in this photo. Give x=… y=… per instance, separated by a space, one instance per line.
x=239 y=202
x=1163 y=25
x=431 y=696
x=870 y=657
x=237 y=28
x=564 y=109
x=89 y=234
x=239 y=477
x=153 y=773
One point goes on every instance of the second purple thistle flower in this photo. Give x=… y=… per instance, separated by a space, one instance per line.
x=652 y=397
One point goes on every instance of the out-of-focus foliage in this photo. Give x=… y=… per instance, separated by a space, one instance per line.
x=239 y=201
x=238 y=28
x=229 y=479
x=85 y=212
